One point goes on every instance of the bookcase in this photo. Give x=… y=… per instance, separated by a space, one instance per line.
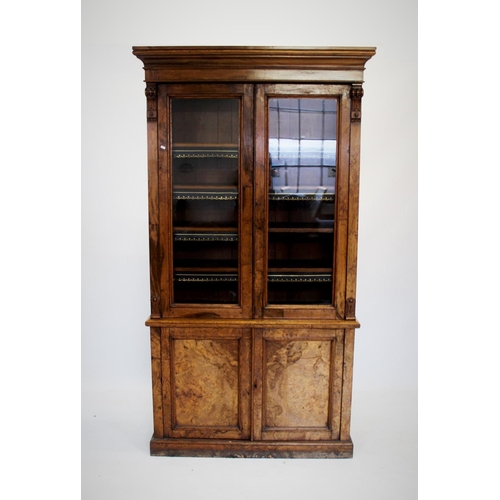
x=253 y=181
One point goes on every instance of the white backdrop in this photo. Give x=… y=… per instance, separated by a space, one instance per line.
x=117 y=416
x=40 y=273
x=115 y=287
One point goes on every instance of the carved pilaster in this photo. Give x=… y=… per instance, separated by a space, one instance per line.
x=151 y=95
x=356 y=95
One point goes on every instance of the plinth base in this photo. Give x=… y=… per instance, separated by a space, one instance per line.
x=250 y=449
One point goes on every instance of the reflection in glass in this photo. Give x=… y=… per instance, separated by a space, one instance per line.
x=205 y=152
x=302 y=160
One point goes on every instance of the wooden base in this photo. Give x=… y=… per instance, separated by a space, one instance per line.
x=250 y=449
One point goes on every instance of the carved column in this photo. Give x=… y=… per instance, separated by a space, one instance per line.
x=352 y=236
x=151 y=96
x=356 y=95
x=154 y=237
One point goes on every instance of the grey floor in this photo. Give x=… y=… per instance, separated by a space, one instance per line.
x=116 y=428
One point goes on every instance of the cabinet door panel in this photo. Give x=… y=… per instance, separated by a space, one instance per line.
x=301 y=384
x=205 y=200
x=209 y=383
x=301 y=153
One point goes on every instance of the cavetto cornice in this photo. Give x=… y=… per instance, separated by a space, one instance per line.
x=254 y=64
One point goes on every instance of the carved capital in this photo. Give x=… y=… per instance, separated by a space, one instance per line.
x=356 y=95
x=357 y=91
x=150 y=92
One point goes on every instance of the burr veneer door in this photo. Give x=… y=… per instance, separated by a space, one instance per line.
x=206 y=383
x=300 y=394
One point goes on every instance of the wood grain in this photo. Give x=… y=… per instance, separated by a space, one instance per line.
x=297 y=375
x=257 y=384
x=250 y=449
x=302 y=380
x=154 y=212
x=306 y=64
x=209 y=386
x=260 y=205
x=205 y=382
x=345 y=429
x=165 y=261
x=247 y=202
x=289 y=324
x=352 y=238
x=342 y=208
x=156 y=378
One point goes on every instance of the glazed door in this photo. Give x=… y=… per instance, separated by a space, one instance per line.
x=205 y=180
x=302 y=148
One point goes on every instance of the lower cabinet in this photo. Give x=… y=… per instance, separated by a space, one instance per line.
x=251 y=392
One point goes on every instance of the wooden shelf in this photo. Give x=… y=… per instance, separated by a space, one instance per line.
x=300 y=265
x=295 y=270
x=202 y=193
x=205 y=270
x=299 y=277
x=205 y=236
x=205 y=277
x=209 y=150
x=312 y=196
x=301 y=229
x=197 y=145
x=206 y=229
x=206 y=266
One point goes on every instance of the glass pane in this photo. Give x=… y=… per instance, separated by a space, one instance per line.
x=205 y=150
x=302 y=161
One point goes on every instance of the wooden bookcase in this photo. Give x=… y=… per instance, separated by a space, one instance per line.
x=253 y=168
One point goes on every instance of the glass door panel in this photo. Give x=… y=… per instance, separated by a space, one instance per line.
x=205 y=184
x=302 y=160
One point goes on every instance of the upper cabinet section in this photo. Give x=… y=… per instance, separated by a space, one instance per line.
x=257 y=64
x=253 y=159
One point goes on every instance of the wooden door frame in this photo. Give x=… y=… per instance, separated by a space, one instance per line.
x=162 y=210
x=263 y=92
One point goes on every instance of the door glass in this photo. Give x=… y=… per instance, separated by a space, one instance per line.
x=302 y=162
x=205 y=152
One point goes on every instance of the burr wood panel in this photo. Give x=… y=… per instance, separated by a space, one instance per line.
x=205 y=388
x=302 y=379
x=209 y=383
x=297 y=383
